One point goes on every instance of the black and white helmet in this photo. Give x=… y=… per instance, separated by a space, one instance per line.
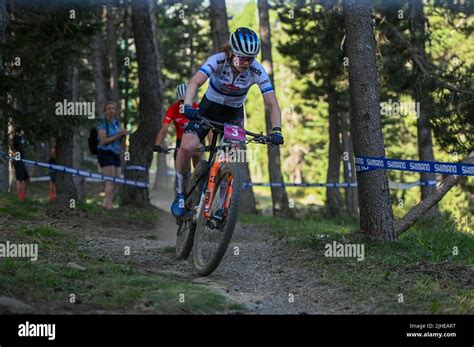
x=181 y=91
x=244 y=42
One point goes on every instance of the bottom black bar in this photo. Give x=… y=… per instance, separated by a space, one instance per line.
x=455 y=330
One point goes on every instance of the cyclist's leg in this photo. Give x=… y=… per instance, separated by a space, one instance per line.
x=199 y=153
x=189 y=144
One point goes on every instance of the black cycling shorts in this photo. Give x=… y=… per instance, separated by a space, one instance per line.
x=108 y=158
x=216 y=112
x=21 y=174
x=52 y=176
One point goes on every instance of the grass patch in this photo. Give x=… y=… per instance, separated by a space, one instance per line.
x=104 y=284
x=147 y=215
x=26 y=210
x=430 y=265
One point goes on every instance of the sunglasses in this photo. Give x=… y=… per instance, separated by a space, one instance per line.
x=245 y=59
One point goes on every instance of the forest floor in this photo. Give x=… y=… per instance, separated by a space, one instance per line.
x=123 y=261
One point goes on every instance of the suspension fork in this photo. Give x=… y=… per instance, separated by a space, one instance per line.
x=212 y=187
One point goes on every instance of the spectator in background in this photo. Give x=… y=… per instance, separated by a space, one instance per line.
x=52 y=175
x=110 y=136
x=21 y=173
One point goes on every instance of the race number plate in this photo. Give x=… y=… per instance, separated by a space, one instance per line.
x=234 y=134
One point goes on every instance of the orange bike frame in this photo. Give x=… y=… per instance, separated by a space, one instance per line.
x=211 y=188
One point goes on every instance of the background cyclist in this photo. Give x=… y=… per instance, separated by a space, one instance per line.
x=175 y=114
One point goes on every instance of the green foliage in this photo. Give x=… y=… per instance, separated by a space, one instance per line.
x=28 y=209
x=447 y=75
x=46 y=36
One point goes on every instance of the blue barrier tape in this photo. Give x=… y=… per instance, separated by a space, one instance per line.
x=137 y=168
x=82 y=173
x=335 y=185
x=373 y=163
x=280 y=184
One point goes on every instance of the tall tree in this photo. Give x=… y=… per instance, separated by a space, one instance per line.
x=151 y=102
x=66 y=188
x=376 y=215
x=219 y=26
x=220 y=35
x=97 y=48
x=422 y=94
x=279 y=196
x=348 y=165
x=126 y=34
x=4 y=174
x=333 y=195
x=77 y=151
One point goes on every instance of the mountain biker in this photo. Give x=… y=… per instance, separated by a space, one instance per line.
x=175 y=113
x=231 y=72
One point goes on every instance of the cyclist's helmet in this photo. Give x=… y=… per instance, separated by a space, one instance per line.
x=244 y=42
x=181 y=91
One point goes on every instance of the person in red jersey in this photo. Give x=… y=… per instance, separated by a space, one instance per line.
x=175 y=114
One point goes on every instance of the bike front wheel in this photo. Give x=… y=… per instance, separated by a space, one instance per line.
x=185 y=235
x=212 y=237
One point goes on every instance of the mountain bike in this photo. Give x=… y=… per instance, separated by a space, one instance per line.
x=213 y=198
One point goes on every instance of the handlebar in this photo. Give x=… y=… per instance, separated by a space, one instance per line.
x=259 y=138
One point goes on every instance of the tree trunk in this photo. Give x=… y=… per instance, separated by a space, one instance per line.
x=376 y=215
x=66 y=189
x=279 y=196
x=112 y=57
x=151 y=103
x=349 y=165
x=4 y=163
x=77 y=154
x=422 y=94
x=333 y=195
x=219 y=26
x=97 y=48
x=425 y=205
x=127 y=66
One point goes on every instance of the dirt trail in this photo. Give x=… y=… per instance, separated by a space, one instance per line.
x=264 y=274
x=259 y=271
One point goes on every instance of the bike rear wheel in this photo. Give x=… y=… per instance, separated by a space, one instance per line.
x=185 y=235
x=210 y=244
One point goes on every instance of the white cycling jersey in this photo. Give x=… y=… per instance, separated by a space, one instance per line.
x=225 y=89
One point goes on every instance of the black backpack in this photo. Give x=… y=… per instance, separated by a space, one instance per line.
x=94 y=139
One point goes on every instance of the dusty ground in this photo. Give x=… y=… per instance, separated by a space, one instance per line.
x=265 y=275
